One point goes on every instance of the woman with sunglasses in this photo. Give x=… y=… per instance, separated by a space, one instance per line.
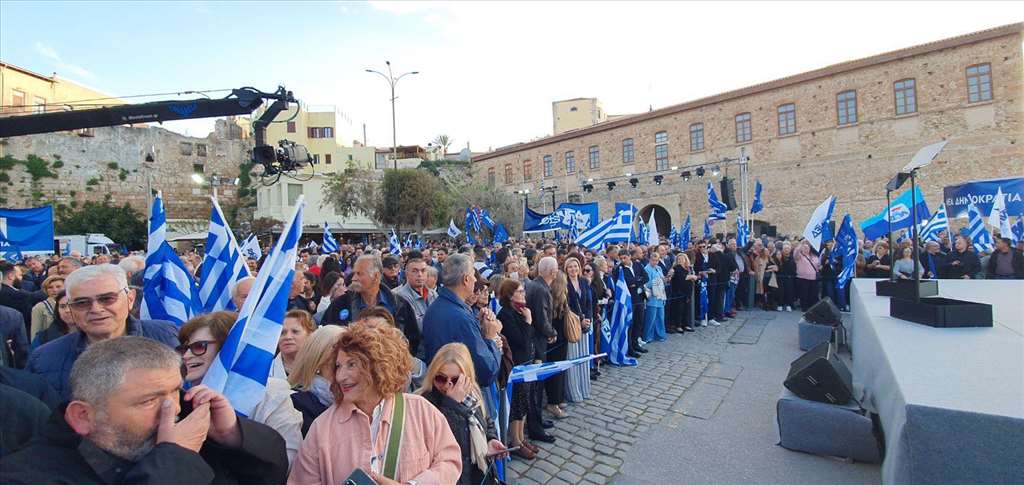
x=201 y=338
x=61 y=325
x=450 y=385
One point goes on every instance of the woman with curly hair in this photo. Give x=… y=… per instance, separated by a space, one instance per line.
x=372 y=426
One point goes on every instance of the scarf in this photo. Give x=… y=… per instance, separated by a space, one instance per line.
x=321 y=388
x=477 y=440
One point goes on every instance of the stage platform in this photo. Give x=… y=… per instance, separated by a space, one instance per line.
x=951 y=400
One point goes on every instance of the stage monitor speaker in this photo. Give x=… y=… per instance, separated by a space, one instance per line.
x=820 y=376
x=824 y=313
x=728 y=189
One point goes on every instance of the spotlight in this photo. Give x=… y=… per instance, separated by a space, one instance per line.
x=658 y=179
x=685 y=175
x=715 y=171
x=611 y=185
x=588 y=187
x=674 y=167
x=700 y=172
x=634 y=182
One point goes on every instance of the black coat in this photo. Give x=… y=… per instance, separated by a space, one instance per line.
x=969 y=265
x=307 y=403
x=635 y=281
x=457 y=415
x=12 y=329
x=22 y=418
x=345 y=308
x=1016 y=261
x=519 y=334
x=30 y=383
x=538 y=299
x=582 y=303
x=58 y=456
x=21 y=300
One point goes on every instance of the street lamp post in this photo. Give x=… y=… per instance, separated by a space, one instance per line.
x=393 y=81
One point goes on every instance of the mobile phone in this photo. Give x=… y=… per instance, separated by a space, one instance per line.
x=507 y=450
x=359 y=477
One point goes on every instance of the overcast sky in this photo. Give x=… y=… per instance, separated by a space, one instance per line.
x=488 y=71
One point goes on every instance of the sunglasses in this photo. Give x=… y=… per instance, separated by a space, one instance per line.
x=198 y=347
x=105 y=300
x=442 y=379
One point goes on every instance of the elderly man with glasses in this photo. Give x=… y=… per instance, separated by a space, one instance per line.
x=100 y=303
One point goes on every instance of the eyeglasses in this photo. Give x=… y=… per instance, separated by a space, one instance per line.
x=105 y=300
x=198 y=347
x=588 y=270
x=442 y=379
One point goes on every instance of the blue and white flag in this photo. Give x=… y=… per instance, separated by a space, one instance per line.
x=223 y=265
x=684 y=234
x=251 y=247
x=998 y=217
x=703 y=313
x=936 y=225
x=1017 y=231
x=979 y=235
x=982 y=193
x=169 y=291
x=330 y=244
x=485 y=218
x=707 y=228
x=717 y=207
x=472 y=220
x=758 y=205
x=901 y=213
x=652 y=236
x=500 y=234
x=641 y=234
x=623 y=227
x=25 y=230
x=742 y=235
x=846 y=246
x=242 y=366
x=615 y=333
x=453 y=230
x=673 y=236
x=817 y=230
x=394 y=243
x=594 y=238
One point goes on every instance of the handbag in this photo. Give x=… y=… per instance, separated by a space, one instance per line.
x=573 y=327
x=773 y=282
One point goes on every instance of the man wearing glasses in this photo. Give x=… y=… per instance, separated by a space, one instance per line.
x=100 y=302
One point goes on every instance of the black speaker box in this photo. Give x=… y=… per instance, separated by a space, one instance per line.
x=728 y=190
x=820 y=376
x=824 y=313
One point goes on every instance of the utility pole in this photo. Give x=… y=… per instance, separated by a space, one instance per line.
x=392 y=81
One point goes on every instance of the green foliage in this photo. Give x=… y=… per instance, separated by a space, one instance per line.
x=73 y=193
x=56 y=157
x=435 y=167
x=505 y=208
x=112 y=165
x=92 y=182
x=4 y=177
x=122 y=175
x=36 y=195
x=58 y=164
x=35 y=166
x=123 y=224
x=352 y=191
x=409 y=197
x=3 y=200
x=8 y=162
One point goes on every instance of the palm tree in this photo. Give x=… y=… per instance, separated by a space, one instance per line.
x=444 y=142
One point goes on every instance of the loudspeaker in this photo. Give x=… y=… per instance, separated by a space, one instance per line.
x=824 y=313
x=728 y=190
x=820 y=376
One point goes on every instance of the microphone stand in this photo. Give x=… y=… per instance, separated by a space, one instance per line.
x=914 y=235
x=888 y=221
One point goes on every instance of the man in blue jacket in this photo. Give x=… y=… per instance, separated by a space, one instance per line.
x=100 y=302
x=449 y=320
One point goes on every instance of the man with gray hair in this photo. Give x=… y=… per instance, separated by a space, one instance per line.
x=449 y=319
x=121 y=426
x=366 y=290
x=100 y=302
x=241 y=291
x=134 y=266
x=68 y=264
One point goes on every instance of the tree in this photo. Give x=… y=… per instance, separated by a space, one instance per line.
x=444 y=142
x=124 y=224
x=352 y=191
x=409 y=197
x=264 y=225
x=505 y=208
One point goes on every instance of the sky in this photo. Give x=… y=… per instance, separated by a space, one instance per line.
x=488 y=71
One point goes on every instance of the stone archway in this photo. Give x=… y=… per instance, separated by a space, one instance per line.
x=661 y=217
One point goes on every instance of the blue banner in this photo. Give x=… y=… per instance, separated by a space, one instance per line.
x=981 y=193
x=567 y=216
x=26 y=230
x=900 y=211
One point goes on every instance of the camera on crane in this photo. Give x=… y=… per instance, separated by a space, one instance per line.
x=286 y=157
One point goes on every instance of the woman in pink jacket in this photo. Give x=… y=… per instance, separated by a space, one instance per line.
x=355 y=433
x=807 y=266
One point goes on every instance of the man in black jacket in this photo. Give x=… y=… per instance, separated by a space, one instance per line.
x=14 y=352
x=932 y=260
x=119 y=427
x=635 y=281
x=12 y=296
x=961 y=263
x=1005 y=263
x=366 y=290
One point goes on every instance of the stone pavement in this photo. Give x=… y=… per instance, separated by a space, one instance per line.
x=626 y=401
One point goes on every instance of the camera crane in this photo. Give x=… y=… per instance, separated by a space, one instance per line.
x=276 y=161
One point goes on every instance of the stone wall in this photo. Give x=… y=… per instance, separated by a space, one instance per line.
x=800 y=170
x=121 y=161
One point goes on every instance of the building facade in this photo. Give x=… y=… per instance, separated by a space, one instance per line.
x=842 y=130
x=577 y=113
x=24 y=92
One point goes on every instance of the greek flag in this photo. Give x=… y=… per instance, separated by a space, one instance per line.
x=817 y=231
x=593 y=238
x=998 y=217
x=223 y=265
x=718 y=209
x=169 y=292
x=935 y=225
x=707 y=227
x=673 y=236
x=330 y=244
x=1017 y=231
x=472 y=218
x=703 y=298
x=251 y=247
x=453 y=230
x=846 y=246
x=980 y=236
x=485 y=218
x=741 y=231
x=623 y=227
x=396 y=245
x=615 y=333
x=757 y=206
x=242 y=366
x=684 y=234
x=641 y=230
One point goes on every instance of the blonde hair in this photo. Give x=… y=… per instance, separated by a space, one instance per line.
x=458 y=354
x=559 y=294
x=316 y=351
x=682 y=257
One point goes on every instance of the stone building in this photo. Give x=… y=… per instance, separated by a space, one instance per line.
x=844 y=129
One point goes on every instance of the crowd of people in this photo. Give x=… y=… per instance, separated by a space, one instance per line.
x=385 y=363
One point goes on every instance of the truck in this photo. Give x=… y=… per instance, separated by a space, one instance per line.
x=86 y=244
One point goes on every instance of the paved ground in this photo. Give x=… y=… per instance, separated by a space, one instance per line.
x=700 y=408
